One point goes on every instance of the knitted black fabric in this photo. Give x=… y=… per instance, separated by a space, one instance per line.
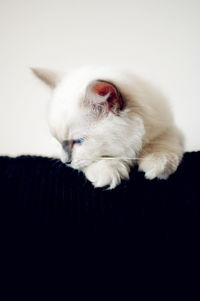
x=43 y=192
x=49 y=210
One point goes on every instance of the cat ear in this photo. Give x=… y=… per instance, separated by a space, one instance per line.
x=50 y=77
x=103 y=97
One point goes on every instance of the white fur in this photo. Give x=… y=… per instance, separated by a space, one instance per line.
x=144 y=128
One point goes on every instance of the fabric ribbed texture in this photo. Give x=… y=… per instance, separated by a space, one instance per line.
x=55 y=227
x=39 y=191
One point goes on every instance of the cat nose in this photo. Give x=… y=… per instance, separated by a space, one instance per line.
x=67 y=147
x=68 y=161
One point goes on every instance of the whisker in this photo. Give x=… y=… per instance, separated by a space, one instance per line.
x=122 y=158
x=85 y=161
x=107 y=158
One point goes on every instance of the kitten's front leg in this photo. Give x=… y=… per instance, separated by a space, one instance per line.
x=161 y=157
x=107 y=172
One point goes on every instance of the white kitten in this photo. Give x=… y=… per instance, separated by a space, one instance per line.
x=107 y=120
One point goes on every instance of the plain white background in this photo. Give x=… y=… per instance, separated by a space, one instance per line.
x=158 y=39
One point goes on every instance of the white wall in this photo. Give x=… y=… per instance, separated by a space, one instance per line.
x=158 y=39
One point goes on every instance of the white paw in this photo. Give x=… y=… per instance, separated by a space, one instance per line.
x=107 y=173
x=159 y=165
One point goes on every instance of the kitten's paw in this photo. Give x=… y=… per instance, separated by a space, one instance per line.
x=159 y=165
x=107 y=173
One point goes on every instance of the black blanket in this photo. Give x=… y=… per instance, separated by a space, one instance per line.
x=49 y=209
x=44 y=192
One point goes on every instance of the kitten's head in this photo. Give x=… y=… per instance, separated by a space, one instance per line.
x=91 y=118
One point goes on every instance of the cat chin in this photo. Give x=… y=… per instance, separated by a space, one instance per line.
x=80 y=165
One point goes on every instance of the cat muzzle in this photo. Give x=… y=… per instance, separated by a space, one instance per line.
x=67 y=147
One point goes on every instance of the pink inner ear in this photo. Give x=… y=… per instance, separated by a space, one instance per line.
x=114 y=99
